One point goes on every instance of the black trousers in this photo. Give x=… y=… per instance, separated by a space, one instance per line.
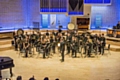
x=89 y=53
x=99 y=48
x=102 y=48
x=53 y=48
x=44 y=54
x=26 y=52
x=62 y=54
x=16 y=46
x=85 y=49
x=74 y=52
x=68 y=49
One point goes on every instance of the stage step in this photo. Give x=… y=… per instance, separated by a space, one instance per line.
x=114 y=47
x=4 y=42
x=113 y=43
x=5 y=45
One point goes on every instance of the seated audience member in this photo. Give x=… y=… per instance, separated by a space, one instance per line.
x=56 y=79
x=0 y=77
x=19 y=78
x=32 y=78
x=118 y=25
x=46 y=78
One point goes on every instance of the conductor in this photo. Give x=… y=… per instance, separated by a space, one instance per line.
x=62 y=46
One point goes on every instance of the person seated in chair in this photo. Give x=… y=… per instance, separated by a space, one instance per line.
x=0 y=77
x=19 y=78
x=46 y=78
x=32 y=78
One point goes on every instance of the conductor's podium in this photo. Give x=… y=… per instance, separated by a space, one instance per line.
x=113 y=33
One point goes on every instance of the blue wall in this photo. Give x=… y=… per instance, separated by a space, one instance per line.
x=18 y=14
x=110 y=15
x=22 y=13
x=61 y=19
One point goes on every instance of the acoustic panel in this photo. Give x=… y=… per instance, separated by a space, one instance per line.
x=97 y=1
x=45 y=22
x=44 y=5
x=53 y=20
x=53 y=5
x=75 y=7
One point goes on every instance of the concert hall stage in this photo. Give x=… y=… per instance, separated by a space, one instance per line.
x=53 y=68
x=103 y=67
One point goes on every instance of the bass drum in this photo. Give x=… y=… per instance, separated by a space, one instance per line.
x=71 y=26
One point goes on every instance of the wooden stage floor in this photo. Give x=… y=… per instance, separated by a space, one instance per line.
x=98 y=68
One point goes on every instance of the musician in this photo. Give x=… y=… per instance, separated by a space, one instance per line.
x=77 y=36
x=85 y=39
x=53 y=33
x=103 y=43
x=44 y=45
x=60 y=30
x=88 y=47
x=62 y=46
x=74 y=46
x=53 y=44
x=99 y=43
x=47 y=33
x=59 y=37
x=95 y=44
x=69 y=37
x=48 y=47
x=26 y=35
x=33 y=38
x=118 y=25
x=37 y=44
x=68 y=46
x=20 y=44
x=95 y=36
x=26 y=47
x=15 y=41
x=38 y=35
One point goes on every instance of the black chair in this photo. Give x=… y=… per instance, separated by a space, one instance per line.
x=108 y=49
